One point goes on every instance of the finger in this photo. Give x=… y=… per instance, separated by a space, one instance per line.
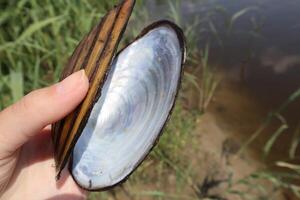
x=24 y=119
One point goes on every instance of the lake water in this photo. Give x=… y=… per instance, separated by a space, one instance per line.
x=258 y=56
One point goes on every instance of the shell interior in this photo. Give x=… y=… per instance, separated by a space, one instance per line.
x=136 y=100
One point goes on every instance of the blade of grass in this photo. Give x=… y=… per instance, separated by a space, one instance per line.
x=16 y=85
x=238 y=15
x=36 y=73
x=295 y=142
x=192 y=79
x=295 y=95
x=290 y=166
x=268 y=146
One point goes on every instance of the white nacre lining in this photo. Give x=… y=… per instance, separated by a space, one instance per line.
x=135 y=102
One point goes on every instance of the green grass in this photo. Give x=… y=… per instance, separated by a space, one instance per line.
x=286 y=174
x=271 y=116
x=209 y=82
x=36 y=38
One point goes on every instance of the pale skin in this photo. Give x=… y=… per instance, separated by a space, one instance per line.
x=27 y=169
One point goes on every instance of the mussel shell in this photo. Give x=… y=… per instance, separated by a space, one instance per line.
x=95 y=54
x=135 y=103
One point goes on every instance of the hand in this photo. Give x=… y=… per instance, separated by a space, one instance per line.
x=27 y=169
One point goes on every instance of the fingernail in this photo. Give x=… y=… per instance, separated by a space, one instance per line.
x=72 y=82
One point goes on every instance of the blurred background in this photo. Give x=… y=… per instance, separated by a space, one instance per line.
x=235 y=130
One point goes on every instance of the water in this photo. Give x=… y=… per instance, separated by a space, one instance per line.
x=258 y=58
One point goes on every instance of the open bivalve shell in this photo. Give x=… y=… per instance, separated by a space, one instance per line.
x=129 y=101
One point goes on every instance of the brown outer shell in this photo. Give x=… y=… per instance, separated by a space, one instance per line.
x=94 y=54
x=181 y=39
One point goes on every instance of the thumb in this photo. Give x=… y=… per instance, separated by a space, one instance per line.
x=24 y=119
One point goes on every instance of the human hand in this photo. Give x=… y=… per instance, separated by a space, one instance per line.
x=27 y=169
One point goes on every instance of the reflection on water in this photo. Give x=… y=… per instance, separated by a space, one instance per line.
x=259 y=52
x=279 y=61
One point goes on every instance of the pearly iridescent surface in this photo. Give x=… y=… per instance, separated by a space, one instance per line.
x=127 y=119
